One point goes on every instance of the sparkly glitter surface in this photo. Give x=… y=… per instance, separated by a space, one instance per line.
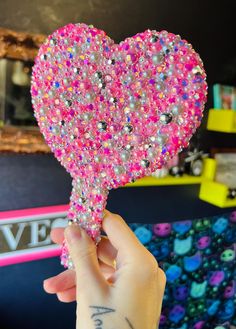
x=113 y=113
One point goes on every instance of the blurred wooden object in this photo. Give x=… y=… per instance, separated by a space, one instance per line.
x=22 y=140
x=19 y=45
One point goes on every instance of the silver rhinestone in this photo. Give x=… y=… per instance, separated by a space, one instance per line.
x=166 y=118
x=102 y=125
x=197 y=69
x=154 y=38
x=128 y=128
x=82 y=200
x=53 y=41
x=68 y=102
x=43 y=57
x=145 y=163
x=129 y=147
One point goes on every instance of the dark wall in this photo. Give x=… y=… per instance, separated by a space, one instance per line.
x=208 y=25
x=39 y=180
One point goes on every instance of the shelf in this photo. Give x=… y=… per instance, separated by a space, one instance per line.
x=167 y=180
x=208 y=173
x=222 y=120
x=216 y=194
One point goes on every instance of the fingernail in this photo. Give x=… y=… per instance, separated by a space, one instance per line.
x=72 y=233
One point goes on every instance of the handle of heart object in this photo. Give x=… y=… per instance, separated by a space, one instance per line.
x=87 y=203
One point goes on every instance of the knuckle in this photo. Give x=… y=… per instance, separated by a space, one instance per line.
x=162 y=275
x=60 y=298
x=118 y=218
x=153 y=264
x=85 y=253
x=148 y=267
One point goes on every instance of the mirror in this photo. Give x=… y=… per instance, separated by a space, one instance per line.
x=18 y=127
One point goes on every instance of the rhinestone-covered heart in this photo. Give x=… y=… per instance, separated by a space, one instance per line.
x=112 y=113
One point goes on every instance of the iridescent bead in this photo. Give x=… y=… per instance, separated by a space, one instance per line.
x=97 y=158
x=125 y=155
x=119 y=170
x=175 y=109
x=152 y=153
x=161 y=139
x=132 y=105
x=88 y=96
x=87 y=116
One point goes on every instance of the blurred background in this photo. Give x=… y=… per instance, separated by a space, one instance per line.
x=198 y=184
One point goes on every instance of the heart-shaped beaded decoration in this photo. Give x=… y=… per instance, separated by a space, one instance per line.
x=112 y=113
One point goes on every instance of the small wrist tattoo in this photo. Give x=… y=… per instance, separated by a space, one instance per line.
x=99 y=311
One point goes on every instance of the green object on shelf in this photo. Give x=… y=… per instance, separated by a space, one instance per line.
x=224 y=97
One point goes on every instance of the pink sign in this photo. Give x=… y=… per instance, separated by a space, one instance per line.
x=25 y=233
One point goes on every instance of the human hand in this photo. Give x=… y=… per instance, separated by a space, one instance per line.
x=128 y=295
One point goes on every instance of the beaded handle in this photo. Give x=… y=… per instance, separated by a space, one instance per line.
x=88 y=201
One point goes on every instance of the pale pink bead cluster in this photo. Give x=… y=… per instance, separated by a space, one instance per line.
x=112 y=113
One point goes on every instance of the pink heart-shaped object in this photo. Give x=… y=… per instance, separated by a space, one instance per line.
x=114 y=113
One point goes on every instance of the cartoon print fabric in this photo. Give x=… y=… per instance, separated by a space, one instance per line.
x=198 y=257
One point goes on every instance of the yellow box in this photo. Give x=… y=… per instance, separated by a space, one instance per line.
x=213 y=192
x=216 y=194
x=222 y=120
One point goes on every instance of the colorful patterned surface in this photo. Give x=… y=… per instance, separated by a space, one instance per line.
x=198 y=257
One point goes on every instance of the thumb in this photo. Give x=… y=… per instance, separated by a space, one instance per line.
x=82 y=249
